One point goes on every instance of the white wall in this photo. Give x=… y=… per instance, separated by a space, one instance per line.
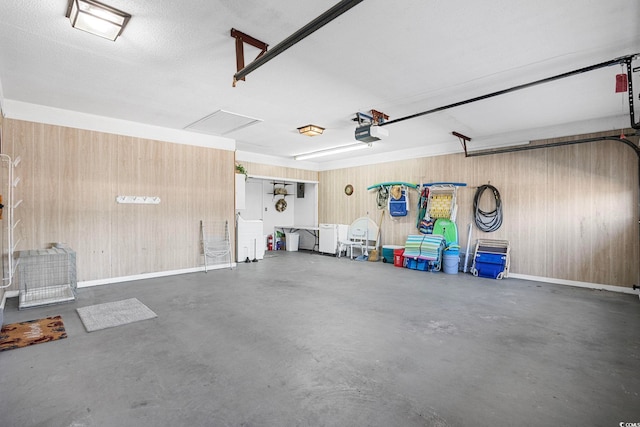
x=306 y=213
x=1 y=99
x=260 y=205
x=253 y=200
x=270 y=215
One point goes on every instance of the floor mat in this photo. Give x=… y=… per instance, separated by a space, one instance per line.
x=111 y=314
x=17 y=335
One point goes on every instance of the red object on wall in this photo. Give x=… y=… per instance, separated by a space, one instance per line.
x=621 y=83
x=270 y=242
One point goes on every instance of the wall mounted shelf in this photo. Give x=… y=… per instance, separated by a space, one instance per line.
x=280 y=189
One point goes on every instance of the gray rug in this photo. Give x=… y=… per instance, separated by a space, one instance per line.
x=111 y=314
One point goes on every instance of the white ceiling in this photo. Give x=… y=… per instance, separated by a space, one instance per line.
x=174 y=65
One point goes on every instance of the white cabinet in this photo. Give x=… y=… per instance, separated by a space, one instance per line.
x=328 y=238
x=330 y=235
x=240 y=191
x=250 y=240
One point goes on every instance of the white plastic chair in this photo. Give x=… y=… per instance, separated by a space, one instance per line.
x=362 y=234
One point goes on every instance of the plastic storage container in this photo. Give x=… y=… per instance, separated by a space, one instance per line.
x=398 y=258
x=293 y=241
x=450 y=261
x=422 y=264
x=417 y=264
x=388 y=251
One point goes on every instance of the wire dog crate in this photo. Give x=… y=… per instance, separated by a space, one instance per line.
x=46 y=276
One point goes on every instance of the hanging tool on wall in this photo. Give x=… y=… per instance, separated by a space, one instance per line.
x=1 y=207
x=487 y=221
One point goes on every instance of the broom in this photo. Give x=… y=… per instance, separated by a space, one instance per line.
x=373 y=255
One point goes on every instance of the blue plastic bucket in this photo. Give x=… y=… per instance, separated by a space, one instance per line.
x=450 y=262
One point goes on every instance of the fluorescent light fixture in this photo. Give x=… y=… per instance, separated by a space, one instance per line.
x=311 y=130
x=335 y=150
x=97 y=18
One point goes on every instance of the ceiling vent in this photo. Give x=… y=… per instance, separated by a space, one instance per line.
x=222 y=122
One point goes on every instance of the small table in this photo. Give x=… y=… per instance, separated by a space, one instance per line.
x=314 y=231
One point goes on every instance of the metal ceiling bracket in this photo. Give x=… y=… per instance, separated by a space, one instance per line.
x=319 y=22
x=463 y=140
x=242 y=38
x=379 y=117
x=372 y=117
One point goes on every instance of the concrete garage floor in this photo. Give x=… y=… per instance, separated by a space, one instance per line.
x=311 y=340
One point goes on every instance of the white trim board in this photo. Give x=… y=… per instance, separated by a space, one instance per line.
x=597 y=286
x=287 y=180
x=99 y=282
x=56 y=116
x=90 y=283
x=587 y=285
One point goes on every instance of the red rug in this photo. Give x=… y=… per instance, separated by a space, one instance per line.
x=17 y=335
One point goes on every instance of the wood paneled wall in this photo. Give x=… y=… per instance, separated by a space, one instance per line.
x=570 y=213
x=69 y=180
x=260 y=169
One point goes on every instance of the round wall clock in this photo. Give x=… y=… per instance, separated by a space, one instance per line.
x=348 y=190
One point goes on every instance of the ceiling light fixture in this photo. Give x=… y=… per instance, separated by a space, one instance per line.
x=335 y=150
x=97 y=18
x=311 y=130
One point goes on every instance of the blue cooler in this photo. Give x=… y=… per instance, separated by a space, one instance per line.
x=387 y=252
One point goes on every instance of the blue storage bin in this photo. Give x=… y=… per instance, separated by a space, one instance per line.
x=417 y=264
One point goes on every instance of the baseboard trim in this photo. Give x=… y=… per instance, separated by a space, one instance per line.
x=575 y=283
x=100 y=282
x=90 y=283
